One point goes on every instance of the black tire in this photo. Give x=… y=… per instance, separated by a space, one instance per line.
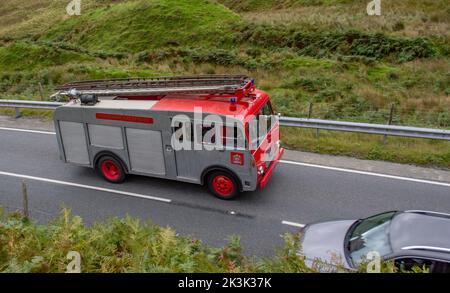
x=223 y=185
x=117 y=176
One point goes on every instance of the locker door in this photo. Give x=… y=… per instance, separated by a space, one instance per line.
x=146 y=151
x=73 y=139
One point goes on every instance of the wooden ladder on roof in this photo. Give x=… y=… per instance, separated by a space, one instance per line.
x=238 y=85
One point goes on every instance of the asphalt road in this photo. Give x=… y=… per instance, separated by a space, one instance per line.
x=297 y=193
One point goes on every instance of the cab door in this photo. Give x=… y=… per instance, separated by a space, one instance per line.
x=187 y=159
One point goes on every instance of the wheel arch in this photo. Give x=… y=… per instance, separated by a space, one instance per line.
x=101 y=154
x=211 y=169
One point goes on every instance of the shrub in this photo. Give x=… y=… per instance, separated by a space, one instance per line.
x=322 y=44
x=125 y=245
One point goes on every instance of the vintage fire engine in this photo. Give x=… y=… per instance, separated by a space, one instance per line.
x=126 y=126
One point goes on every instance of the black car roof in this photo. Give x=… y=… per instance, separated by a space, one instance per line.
x=420 y=230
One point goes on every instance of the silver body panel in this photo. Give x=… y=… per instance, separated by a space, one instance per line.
x=106 y=136
x=73 y=138
x=146 y=151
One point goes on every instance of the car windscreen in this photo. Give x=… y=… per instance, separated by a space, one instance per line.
x=370 y=235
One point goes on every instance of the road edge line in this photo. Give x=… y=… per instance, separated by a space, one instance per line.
x=132 y=194
x=367 y=173
x=298 y=225
x=27 y=130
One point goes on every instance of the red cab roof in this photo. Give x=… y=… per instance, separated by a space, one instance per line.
x=213 y=104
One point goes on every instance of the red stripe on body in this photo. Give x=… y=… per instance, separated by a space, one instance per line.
x=126 y=118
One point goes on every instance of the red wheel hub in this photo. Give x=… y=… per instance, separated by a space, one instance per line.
x=223 y=185
x=110 y=170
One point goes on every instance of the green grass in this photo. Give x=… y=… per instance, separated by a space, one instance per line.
x=24 y=56
x=326 y=52
x=370 y=147
x=258 y=5
x=142 y=25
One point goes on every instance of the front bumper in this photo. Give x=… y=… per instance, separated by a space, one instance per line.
x=269 y=171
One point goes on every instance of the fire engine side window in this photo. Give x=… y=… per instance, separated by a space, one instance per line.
x=253 y=132
x=260 y=125
x=208 y=133
x=234 y=137
x=189 y=130
x=267 y=113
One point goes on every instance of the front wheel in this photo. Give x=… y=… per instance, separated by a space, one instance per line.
x=111 y=169
x=223 y=185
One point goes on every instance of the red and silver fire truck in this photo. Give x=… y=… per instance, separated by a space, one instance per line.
x=127 y=126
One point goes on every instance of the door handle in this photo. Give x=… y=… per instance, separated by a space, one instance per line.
x=169 y=148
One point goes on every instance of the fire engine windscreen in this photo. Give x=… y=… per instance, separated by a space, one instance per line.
x=260 y=125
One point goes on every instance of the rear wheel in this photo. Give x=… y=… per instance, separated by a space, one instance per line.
x=223 y=185
x=111 y=169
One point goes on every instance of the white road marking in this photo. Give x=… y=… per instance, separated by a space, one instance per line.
x=293 y=224
x=367 y=173
x=27 y=130
x=85 y=186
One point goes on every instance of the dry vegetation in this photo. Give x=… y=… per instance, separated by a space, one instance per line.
x=410 y=18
